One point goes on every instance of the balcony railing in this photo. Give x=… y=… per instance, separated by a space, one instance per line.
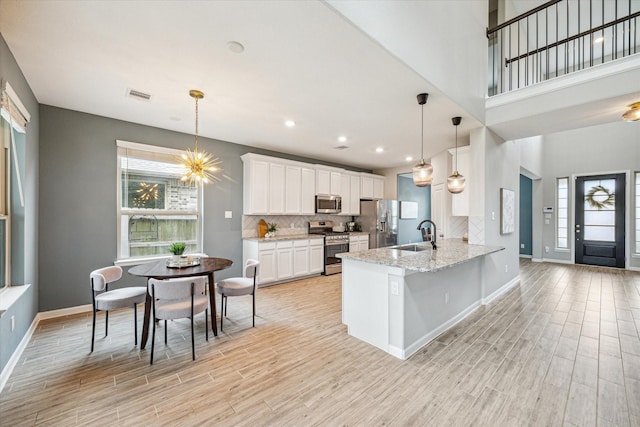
x=558 y=38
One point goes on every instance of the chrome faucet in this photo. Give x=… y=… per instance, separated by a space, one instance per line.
x=433 y=236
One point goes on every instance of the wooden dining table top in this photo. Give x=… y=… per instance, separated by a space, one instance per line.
x=159 y=269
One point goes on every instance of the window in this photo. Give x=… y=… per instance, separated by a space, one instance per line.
x=637 y=206
x=562 y=213
x=155 y=208
x=13 y=121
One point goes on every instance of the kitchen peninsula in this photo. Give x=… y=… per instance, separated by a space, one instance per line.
x=400 y=298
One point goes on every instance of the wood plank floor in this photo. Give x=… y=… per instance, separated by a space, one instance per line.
x=562 y=348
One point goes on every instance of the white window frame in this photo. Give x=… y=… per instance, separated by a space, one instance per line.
x=636 y=215
x=124 y=259
x=557 y=225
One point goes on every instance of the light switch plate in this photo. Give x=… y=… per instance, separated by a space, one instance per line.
x=228 y=214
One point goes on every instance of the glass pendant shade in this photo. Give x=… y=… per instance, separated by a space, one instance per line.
x=455 y=183
x=422 y=174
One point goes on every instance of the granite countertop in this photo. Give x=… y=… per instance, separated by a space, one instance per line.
x=449 y=253
x=358 y=233
x=281 y=237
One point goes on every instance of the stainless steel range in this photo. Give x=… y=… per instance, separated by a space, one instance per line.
x=335 y=242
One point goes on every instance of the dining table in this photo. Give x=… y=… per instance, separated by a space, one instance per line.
x=162 y=271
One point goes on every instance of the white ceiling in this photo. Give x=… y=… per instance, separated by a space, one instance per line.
x=302 y=61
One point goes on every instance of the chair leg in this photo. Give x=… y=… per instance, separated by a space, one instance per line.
x=222 y=313
x=226 y=304
x=253 y=295
x=165 y=332
x=193 y=340
x=135 y=324
x=206 y=324
x=106 y=323
x=153 y=340
x=93 y=329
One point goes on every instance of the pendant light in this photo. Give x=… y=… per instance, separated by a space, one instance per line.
x=200 y=165
x=422 y=172
x=455 y=183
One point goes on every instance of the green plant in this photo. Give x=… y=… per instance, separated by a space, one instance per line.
x=177 y=248
x=272 y=227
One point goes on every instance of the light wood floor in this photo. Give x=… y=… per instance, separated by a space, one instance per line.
x=562 y=348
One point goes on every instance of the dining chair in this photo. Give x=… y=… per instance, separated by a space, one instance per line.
x=237 y=286
x=178 y=299
x=104 y=300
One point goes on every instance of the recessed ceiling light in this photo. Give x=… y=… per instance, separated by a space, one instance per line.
x=409 y=159
x=235 y=47
x=599 y=40
x=379 y=150
x=289 y=123
x=342 y=138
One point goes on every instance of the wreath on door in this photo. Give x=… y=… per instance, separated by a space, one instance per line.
x=600 y=197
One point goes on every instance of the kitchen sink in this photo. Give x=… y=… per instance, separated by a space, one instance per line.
x=413 y=248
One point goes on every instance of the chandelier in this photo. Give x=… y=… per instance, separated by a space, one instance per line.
x=200 y=165
x=455 y=182
x=633 y=113
x=422 y=172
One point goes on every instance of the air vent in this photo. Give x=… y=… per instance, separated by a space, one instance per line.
x=341 y=147
x=139 y=95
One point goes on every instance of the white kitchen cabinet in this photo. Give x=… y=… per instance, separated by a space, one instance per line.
x=285 y=260
x=276 y=188
x=300 y=257
x=460 y=201
x=350 y=194
x=284 y=252
x=316 y=256
x=256 y=186
x=371 y=186
x=308 y=191
x=293 y=190
x=328 y=181
x=358 y=242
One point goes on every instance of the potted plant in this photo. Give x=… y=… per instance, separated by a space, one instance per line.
x=177 y=249
x=272 y=227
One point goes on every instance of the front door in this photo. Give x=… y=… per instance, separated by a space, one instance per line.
x=600 y=220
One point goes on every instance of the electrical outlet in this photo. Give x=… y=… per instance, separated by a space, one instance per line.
x=493 y=216
x=228 y=214
x=506 y=268
x=394 y=288
x=546 y=249
x=13 y=323
x=446 y=297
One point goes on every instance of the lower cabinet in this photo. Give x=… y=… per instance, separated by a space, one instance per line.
x=358 y=242
x=285 y=260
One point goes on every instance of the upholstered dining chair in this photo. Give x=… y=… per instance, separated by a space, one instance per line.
x=178 y=299
x=237 y=286
x=104 y=300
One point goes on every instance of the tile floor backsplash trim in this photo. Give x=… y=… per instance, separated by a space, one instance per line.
x=287 y=224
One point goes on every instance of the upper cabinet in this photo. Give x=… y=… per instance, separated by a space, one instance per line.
x=460 y=201
x=274 y=186
x=371 y=186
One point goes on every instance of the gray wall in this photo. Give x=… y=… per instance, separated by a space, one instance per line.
x=26 y=308
x=612 y=147
x=78 y=199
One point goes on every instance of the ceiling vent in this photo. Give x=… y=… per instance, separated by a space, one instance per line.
x=139 y=95
x=341 y=147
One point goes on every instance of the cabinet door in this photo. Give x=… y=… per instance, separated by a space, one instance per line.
x=323 y=182
x=276 y=188
x=285 y=263
x=366 y=187
x=378 y=188
x=308 y=192
x=268 y=267
x=363 y=244
x=354 y=180
x=345 y=193
x=257 y=187
x=316 y=258
x=293 y=190
x=301 y=260
x=336 y=183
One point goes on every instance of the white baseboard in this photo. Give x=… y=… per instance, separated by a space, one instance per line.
x=424 y=340
x=504 y=288
x=52 y=314
x=558 y=261
x=13 y=360
x=526 y=256
x=536 y=259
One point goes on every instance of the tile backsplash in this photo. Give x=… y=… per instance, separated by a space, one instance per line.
x=287 y=224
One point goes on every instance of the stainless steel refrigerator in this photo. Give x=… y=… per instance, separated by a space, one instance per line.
x=379 y=218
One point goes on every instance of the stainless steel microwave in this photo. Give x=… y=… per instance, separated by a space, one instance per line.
x=328 y=204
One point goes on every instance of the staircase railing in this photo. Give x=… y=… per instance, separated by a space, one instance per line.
x=560 y=37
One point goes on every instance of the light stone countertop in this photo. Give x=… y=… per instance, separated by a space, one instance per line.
x=449 y=253
x=281 y=237
x=358 y=233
